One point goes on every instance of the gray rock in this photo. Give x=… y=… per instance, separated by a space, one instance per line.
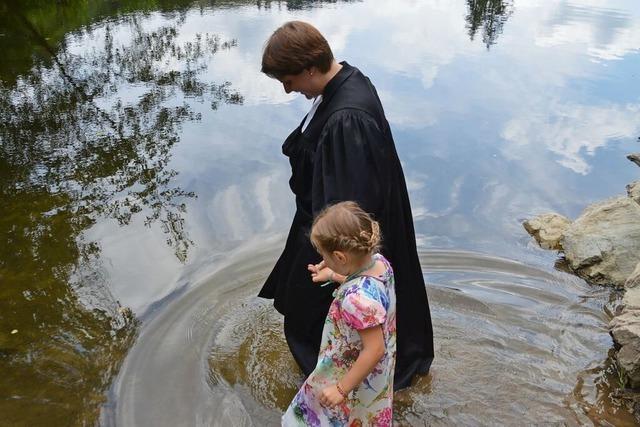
x=633 y=191
x=634 y=279
x=635 y=158
x=603 y=244
x=631 y=301
x=547 y=229
x=625 y=330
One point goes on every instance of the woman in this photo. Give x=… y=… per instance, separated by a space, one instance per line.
x=342 y=150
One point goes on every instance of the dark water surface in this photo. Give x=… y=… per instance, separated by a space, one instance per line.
x=144 y=198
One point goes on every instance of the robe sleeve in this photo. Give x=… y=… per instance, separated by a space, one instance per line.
x=348 y=162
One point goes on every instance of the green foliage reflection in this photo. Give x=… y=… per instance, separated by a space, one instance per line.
x=490 y=15
x=86 y=134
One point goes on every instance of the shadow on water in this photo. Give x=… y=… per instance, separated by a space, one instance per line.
x=86 y=134
x=516 y=345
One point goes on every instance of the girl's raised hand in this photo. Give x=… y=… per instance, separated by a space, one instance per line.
x=319 y=272
x=314 y=268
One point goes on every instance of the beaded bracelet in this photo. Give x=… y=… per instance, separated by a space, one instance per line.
x=341 y=391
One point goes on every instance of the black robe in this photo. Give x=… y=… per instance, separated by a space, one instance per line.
x=347 y=153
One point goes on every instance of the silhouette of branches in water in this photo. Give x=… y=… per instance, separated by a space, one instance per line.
x=71 y=127
x=298 y=4
x=490 y=15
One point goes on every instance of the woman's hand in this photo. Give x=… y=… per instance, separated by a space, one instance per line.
x=320 y=273
x=331 y=396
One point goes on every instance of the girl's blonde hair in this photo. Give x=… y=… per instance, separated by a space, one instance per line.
x=346 y=227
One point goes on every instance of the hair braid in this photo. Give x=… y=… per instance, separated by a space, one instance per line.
x=345 y=226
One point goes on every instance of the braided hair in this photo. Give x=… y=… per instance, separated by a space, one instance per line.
x=346 y=227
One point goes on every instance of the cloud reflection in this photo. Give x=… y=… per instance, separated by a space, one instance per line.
x=571 y=132
x=597 y=27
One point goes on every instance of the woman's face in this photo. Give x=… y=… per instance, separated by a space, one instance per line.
x=302 y=83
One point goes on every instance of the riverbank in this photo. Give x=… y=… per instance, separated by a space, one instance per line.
x=602 y=246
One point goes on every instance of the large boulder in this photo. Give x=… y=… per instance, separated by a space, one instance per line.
x=603 y=244
x=547 y=229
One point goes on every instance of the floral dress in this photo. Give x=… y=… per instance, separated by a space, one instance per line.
x=360 y=303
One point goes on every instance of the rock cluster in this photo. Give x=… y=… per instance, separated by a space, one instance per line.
x=603 y=246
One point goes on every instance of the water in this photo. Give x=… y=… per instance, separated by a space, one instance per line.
x=144 y=198
x=512 y=341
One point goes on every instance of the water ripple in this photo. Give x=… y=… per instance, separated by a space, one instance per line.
x=512 y=342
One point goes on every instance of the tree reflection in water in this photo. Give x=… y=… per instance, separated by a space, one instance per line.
x=490 y=15
x=74 y=149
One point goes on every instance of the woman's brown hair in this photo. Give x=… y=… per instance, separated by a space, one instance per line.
x=346 y=227
x=294 y=47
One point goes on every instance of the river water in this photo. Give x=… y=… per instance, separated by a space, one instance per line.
x=145 y=199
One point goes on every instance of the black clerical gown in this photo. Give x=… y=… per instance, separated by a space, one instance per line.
x=347 y=153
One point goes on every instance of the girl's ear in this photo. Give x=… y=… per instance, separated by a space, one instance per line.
x=340 y=256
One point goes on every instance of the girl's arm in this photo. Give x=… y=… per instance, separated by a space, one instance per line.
x=372 y=351
x=338 y=278
x=320 y=273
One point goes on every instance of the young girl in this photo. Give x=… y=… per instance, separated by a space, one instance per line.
x=352 y=384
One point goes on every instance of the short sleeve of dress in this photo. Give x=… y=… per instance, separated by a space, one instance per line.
x=364 y=307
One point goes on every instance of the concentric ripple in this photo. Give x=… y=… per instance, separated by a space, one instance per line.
x=515 y=345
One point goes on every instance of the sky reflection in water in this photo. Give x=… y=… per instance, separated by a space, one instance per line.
x=488 y=136
x=491 y=126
